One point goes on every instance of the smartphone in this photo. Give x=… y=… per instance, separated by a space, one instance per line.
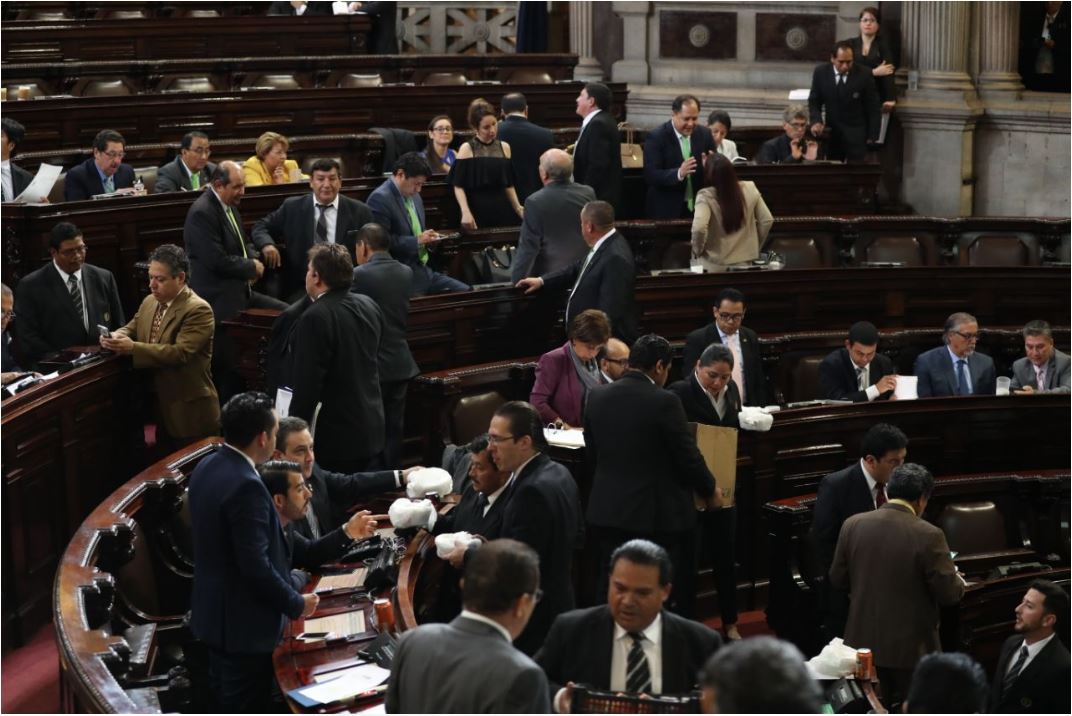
x=105 y=333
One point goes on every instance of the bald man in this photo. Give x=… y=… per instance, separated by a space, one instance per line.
x=551 y=232
x=613 y=360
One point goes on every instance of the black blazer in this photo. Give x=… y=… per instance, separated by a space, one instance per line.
x=334 y=364
x=544 y=512
x=294 y=222
x=528 y=141
x=468 y=515
x=308 y=553
x=219 y=273
x=580 y=646
x=388 y=282
x=47 y=318
x=698 y=408
x=1042 y=686
x=854 y=116
x=383 y=38
x=776 y=151
x=607 y=284
x=662 y=158
x=837 y=376
x=597 y=158
x=755 y=384
x=84 y=182
x=280 y=356
x=647 y=465
x=173 y=177
x=880 y=52
x=20 y=179
x=335 y=492
x=841 y=495
x=7 y=356
x=311 y=8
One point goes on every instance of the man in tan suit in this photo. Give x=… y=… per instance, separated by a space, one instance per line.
x=171 y=334
x=898 y=572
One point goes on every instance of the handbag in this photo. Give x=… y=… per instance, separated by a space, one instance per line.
x=493 y=263
x=632 y=153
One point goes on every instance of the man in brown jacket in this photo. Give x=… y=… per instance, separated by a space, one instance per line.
x=898 y=571
x=171 y=334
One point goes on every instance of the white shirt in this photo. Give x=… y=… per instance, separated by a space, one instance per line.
x=1032 y=652
x=245 y=456
x=619 y=658
x=81 y=287
x=331 y=217
x=485 y=620
x=870 y=390
x=9 y=184
x=871 y=482
x=838 y=75
x=495 y=495
x=586 y=120
x=718 y=402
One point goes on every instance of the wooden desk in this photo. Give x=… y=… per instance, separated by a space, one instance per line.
x=17 y=9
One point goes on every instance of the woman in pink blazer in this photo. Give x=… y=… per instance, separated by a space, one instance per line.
x=565 y=375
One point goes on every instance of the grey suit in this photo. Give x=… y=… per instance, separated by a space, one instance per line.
x=551 y=232
x=938 y=379
x=466 y=666
x=1058 y=370
x=173 y=177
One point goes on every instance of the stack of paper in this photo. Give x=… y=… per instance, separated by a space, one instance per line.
x=336 y=582
x=341 y=685
x=338 y=625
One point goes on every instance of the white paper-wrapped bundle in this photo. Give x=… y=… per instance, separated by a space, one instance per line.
x=407 y=513
x=447 y=543
x=756 y=419
x=429 y=480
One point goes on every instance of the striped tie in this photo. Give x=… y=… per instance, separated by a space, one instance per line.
x=638 y=676
x=1014 y=672
x=76 y=298
x=158 y=322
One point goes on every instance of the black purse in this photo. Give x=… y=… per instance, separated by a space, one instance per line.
x=493 y=263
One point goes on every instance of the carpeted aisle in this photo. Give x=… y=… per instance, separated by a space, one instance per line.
x=30 y=676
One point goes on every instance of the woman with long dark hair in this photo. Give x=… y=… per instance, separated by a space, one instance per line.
x=482 y=177
x=731 y=219
x=438 y=152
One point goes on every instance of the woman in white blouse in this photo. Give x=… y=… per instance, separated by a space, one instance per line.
x=719 y=124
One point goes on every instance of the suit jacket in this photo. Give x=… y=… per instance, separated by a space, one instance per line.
x=84 y=182
x=383 y=37
x=20 y=179
x=335 y=492
x=544 y=512
x=242 y=594
x=755 y=385
x=607 y=284
x=280 y=357
x=698 y=407
x=389 y=210
x=842 y=494
x=662 y=158
x=47 y=317
x=1058 y=370
x=173 y=177
x=181 y=363
x=335 y=364
x=557 y=392
x=938 y=379
x=898 y=571
x=387 y=282
x=309 y=554
x=710 y=241
x=837 y=376
x=551 y=230
x=463 y=667
x=1042 y=686
x=219 y=271
x=880 y=52
x=468 y=515
x=597 y=158
x=854 y=115
x=528 y=141
x=776 y=151
x=7 y=356
x=311 y=8
x=294 y=223
x=647 y=465
x=580 y=646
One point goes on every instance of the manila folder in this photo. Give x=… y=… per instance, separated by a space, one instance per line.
x=718 y=446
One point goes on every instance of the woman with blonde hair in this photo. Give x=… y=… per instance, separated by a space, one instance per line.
x=482 y=177
x=270 y=164
x=731 y=220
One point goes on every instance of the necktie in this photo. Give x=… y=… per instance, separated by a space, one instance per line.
x=584 y=266
x=76 y=297
x=963 y=381
x=322 y=224
x=880 y=496
x=734 y=344
x=158 y=321
x=415 y=223
x=310 y=519
x=686 y=151
x=1040 y=378
x=238 y=231
x=1014 y=672
x=482 y=503
x=195 y=180
x=637 y=673
x=109 y=185
x=861 y=380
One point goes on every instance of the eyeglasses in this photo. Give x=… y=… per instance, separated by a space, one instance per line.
x=536 y=596
x=443 y=130
x=968 y=336
x=496 y=439
x=798 y=125
x=73 y=251
x=731 y=316
x=617 y=361
x=203 y=151
x=114 y=155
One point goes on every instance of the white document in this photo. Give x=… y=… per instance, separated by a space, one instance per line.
x=41 y=186
x=572 y=439
x=906 y=387
x=799 y=95
x=369 y=675
x=347 y=684
x=282 y=401
x=883 y=127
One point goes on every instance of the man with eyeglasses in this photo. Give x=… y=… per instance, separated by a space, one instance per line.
x=956 y=368
x=788 y=147
x=62 y=303
x=613 y=360
x=743 y=342
x=104 y=173
x=191 y=170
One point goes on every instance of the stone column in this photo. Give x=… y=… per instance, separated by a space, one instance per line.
x=942 y=49
x=633 y=67
x=580 y=36
x=999 y=47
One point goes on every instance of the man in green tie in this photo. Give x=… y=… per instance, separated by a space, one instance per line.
x=191 y=169
x=674 y=154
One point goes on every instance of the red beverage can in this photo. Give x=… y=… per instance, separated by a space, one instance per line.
x=863 y=664
x=385 y=614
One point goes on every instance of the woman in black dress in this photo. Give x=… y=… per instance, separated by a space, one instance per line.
x=482 y=177
x=871 y=51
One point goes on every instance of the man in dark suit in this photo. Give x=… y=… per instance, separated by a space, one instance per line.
x=8 y=366
x=858 y=488
x=387 y=282
x=383 y=37
x=849 y=95
x=617 y=646
x=729 y=311
x=543 y=510
x=789 y=147
x=62 y=303
x=325 y=216
x=858 y=372
x=469 y=665
x=551 y=233
x=674 y=155
x=104 y=173
x=956 y=368
x=242 y=593
x=1044 y=43
x=191 y=170
x=397 y=206
x=14 y=178
x=528 y=142
x=299 y=8
x=597 y=156
x=898 y=571
x=604 y=279
x=335 y=369
x=1032 y=673
x=647 y=467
